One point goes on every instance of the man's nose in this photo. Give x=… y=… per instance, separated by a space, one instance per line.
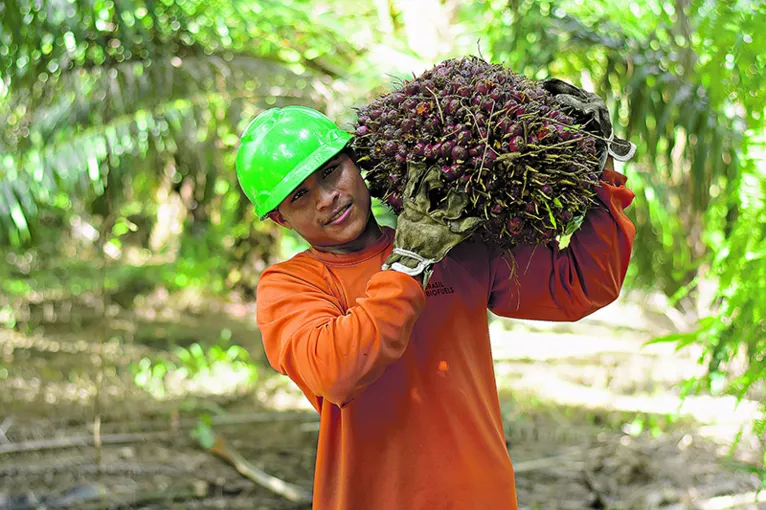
x=327 y=197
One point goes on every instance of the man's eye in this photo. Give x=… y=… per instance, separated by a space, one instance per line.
x=330 y=170
x=298 y=195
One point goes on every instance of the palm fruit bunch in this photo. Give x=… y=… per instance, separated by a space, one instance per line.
x=528 y=168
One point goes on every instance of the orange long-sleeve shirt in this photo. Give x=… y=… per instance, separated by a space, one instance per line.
x=403 y=377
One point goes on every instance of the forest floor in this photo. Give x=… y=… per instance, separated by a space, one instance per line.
x=593 y=417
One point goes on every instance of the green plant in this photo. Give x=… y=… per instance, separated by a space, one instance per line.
x=733 y=335
x=220 y=368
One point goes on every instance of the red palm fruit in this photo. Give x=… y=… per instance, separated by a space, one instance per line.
x=459 y=153
x=489 y=159
x=446 y=148
x=429 y=126
x=515 y=130
x=408 y=125
x=451 y=172
x=390 y=148
x=411 y=89
x=497 y=95
x=464 y=137
x=395 y=201
x=460 y=136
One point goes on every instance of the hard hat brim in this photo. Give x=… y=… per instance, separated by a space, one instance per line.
x=301 y=171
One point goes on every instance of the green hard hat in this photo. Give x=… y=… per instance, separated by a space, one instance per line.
x=280 y=148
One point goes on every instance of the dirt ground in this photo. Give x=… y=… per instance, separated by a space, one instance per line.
x=593 y=418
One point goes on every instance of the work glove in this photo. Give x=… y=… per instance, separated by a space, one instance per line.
x=428 y=227
x=590 y=110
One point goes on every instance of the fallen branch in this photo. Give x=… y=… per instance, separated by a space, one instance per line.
x=224 y=419
x=136 y=437
x=82 y=440
x=245 y=468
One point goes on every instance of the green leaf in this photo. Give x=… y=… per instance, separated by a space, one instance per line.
x=550 y=214
x=574 y=224
x=204 y=434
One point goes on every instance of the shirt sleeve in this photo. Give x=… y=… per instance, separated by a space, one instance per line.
x=332 y=353
x=547 y=283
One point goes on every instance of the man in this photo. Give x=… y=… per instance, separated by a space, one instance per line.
x=402 y=375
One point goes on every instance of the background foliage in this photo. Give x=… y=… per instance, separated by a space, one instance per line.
x=119 y=122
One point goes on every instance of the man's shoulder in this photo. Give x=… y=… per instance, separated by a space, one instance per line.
x=300 y=265
x=469 y=251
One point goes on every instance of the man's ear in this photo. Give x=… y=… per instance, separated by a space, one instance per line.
x=280 y=220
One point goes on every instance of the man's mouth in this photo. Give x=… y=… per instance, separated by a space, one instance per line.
x=338 y=214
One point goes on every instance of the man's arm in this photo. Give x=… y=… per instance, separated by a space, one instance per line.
x=333 y=354
x=545 y=283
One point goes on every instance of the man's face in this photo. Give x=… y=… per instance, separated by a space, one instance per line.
x=331 y=208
